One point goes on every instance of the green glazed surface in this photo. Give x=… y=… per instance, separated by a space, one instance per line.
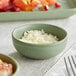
x=37 y=51
x=68 y=8
x=10 y=60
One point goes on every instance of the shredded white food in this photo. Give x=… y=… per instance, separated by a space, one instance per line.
x=38 y=37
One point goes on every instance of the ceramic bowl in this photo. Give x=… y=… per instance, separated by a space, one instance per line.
x=12 y=61
x=37 y=51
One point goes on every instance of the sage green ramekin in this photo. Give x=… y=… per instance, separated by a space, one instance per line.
x=12 y=61
x=37 y=51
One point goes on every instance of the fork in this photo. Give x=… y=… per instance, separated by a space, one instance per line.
x=70 y=63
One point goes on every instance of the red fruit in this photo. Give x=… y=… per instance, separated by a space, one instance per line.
x=15 y=9
x=57 y=5
x=46 y=8
x=4 y=3
x=9 y=7
x=5 y=9
x=11 y=1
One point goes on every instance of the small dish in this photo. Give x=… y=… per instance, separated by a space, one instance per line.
x=12 y=61
x=37 y=51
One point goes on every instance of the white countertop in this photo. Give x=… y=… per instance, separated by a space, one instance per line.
x=30 y=67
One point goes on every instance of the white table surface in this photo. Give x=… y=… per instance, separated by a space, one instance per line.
x=30 y=67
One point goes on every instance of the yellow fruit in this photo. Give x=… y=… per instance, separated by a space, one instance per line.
x=26 y=5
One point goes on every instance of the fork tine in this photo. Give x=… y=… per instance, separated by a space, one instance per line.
x=67 y=67
x=71 y=66
x=73 y=61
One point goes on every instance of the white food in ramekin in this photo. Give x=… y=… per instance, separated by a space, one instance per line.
x=38 y=37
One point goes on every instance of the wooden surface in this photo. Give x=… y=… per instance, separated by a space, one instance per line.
x=30 y=67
